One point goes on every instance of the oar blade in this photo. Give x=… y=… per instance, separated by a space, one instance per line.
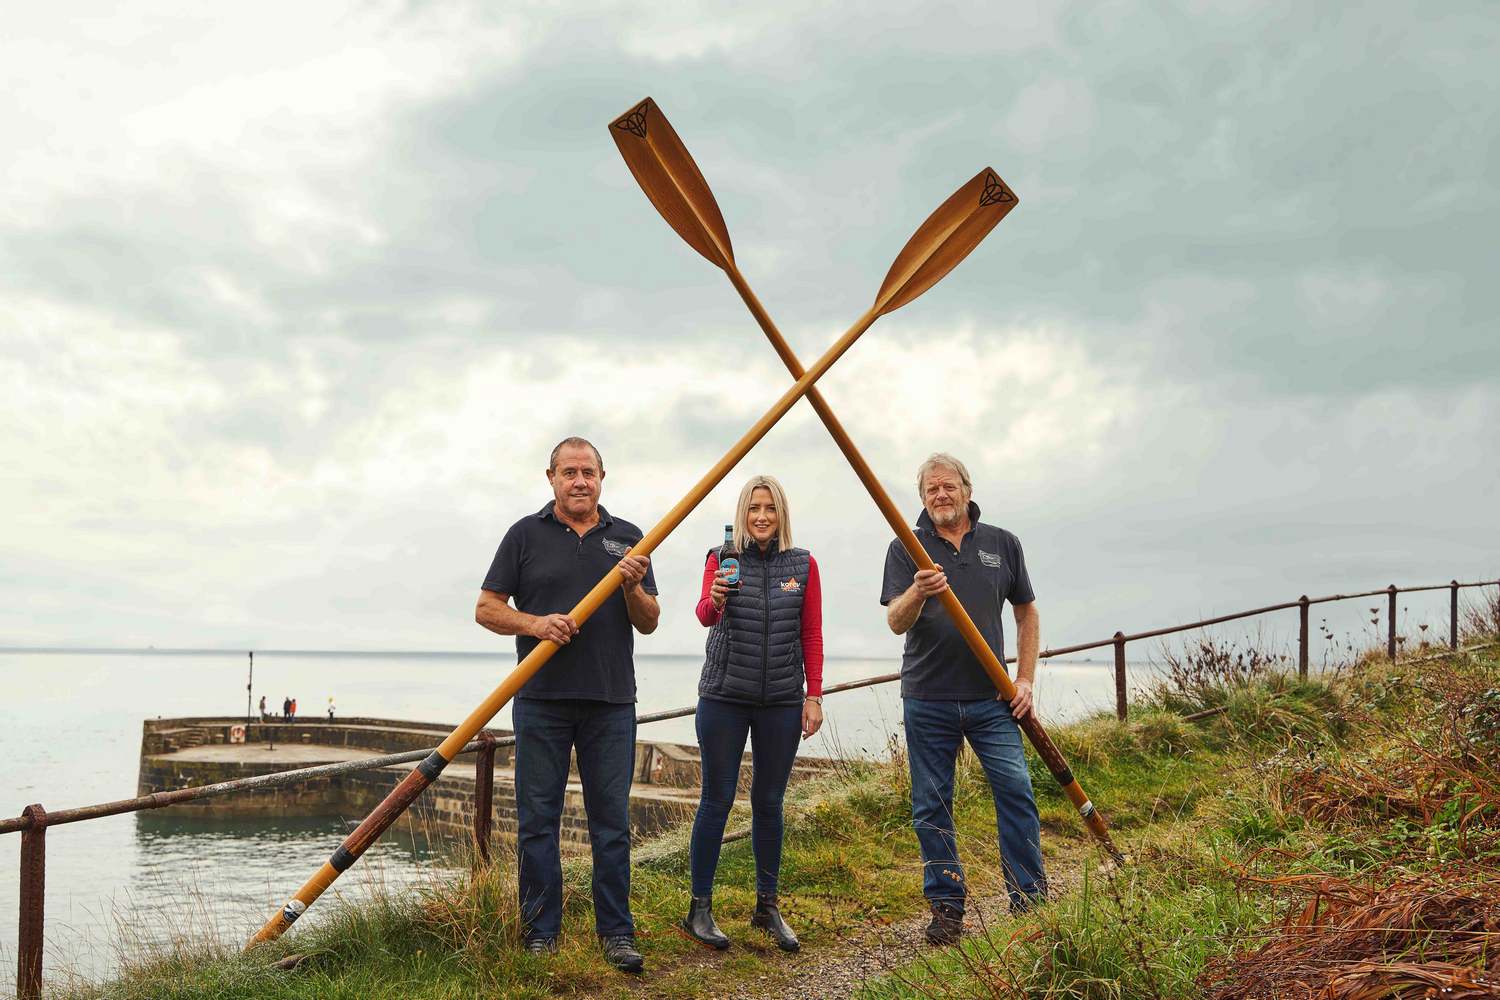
x=665 y=170
x=947 y=237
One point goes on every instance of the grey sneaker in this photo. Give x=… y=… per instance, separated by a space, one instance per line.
x=540 y=946
x=619 y=951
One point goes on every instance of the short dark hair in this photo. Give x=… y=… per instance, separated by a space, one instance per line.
x=574 y=442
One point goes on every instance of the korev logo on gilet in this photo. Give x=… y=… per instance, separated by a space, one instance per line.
x=615 y=548
x=990 y=559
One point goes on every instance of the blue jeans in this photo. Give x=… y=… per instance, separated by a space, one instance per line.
x=935 y=730
x=604 y=737
x=774 y=731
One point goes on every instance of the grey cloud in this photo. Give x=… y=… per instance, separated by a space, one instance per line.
x=1221 y=146
x=1289 y=211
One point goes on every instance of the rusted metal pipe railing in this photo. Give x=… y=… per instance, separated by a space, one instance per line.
x=177 y=796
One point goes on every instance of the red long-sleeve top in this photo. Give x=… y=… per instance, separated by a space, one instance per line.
x=812 y=619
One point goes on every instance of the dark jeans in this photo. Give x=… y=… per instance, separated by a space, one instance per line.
x=774 y=732
x=604 y=736
x=935 y=730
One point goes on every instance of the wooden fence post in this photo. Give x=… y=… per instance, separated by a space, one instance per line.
x=484 y=794
x=33 y=905
x=1302 y=637
x=1121 y=703
x=1390 y=641
x=1453 y=615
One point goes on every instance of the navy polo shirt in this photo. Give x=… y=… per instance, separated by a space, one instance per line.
x=546 y=568
x=984 y=572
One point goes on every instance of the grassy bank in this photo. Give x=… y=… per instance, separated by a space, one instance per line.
x=1336 y=840
x=1264 y=839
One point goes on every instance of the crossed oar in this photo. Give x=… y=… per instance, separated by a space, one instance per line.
x=946 y=238
x=666 y=172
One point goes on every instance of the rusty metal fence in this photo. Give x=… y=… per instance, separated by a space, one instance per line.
x=34 y=820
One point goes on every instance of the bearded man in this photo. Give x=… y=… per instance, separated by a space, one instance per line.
x=948 y=697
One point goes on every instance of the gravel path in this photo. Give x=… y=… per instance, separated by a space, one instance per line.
x=837 y=972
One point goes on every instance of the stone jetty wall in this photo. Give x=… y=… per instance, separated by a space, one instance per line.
x=177 y=753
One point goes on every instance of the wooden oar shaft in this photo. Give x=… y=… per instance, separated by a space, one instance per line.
x=1045 y=748
x=427 y=772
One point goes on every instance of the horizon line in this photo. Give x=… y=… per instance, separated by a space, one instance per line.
x=240 y=651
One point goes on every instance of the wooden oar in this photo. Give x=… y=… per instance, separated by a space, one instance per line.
x=942 y=241
x=666 y=172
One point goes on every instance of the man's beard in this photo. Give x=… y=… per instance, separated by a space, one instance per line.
x=947 y=516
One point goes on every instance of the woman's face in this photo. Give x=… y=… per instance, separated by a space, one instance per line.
x=761 y=520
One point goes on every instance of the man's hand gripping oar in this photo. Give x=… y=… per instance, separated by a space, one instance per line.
x=667 y=174
x=942 y=241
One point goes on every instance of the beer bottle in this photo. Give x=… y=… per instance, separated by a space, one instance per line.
x=728 y=560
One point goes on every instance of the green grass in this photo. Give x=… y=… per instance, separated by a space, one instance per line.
x=1199 y=807
x=1296 y=780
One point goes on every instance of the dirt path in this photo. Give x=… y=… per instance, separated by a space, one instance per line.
x=874 y=951
x=835 y=971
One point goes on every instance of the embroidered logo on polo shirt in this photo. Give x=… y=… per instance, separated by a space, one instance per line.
x=791 y=584
x=990 y=559
x=615 y=548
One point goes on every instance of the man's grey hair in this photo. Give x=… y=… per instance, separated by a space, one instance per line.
x=943 y=460
x=574 y=442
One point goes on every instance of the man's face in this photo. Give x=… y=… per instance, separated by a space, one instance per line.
x=576 y=481
x=944 y=497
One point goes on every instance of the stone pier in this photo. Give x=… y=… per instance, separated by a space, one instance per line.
x=176 y=753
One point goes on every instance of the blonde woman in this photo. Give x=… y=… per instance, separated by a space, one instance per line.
x=762 y=678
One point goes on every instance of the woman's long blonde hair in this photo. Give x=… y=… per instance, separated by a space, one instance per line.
x=742 y=539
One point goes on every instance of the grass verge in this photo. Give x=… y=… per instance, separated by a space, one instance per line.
x=1264 y=840
x=1341 y=841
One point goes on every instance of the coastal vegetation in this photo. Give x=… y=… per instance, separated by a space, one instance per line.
x=1337 y=836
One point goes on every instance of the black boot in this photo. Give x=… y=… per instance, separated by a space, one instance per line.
x=620 y=951
x=947 y=924
x=699 y=923
x=768 y=918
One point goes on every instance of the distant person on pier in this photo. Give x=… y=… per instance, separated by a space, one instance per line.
x=263 y=715
x=286 y=708
x=762 y=679
x=330 y=708
x=583 y=699
x=292 y=711
x=947 y=697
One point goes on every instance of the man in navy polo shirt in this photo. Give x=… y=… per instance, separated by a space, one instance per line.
x=947 y=696
x=583 y=698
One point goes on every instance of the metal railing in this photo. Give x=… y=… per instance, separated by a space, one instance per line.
x=34 y=821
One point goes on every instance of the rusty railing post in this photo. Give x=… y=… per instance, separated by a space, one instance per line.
x=1453 y=615
x=1302 y=637
x=1390 y=640
x=33 y=905
x=484 y=794
x=1121 y=704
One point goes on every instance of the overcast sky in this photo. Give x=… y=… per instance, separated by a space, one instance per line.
x=295 y=298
